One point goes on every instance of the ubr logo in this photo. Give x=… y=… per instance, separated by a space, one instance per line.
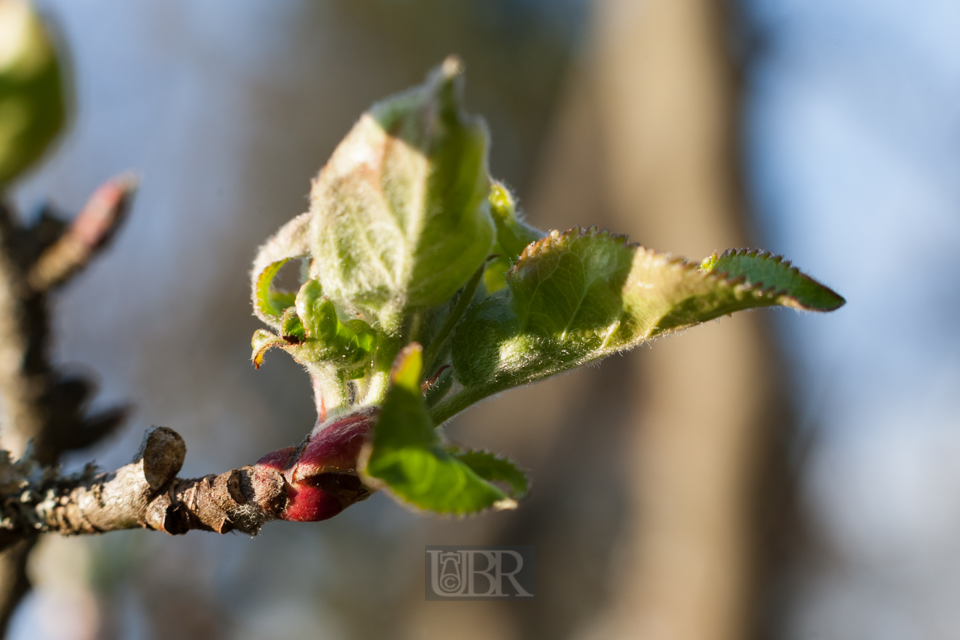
x=479 y=573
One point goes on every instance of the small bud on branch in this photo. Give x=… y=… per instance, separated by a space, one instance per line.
x=90 y=232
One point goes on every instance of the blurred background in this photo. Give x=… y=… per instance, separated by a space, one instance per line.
x=771 y=475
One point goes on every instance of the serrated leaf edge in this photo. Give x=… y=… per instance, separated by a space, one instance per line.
x=555 y=240
x=787 y=299
x=456 y=449
x=505 y=504
x=399 y=363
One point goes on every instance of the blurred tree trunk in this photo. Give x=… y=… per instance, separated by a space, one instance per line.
x=706 y=460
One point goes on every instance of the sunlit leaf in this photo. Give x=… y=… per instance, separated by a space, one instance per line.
x=268 y=301
x=407 y=457
x=326 y=338
x=400 y=218
x=291 y=241
x=779 y=278
x=262 y=342
x=513 y=235
x=576 y=297
x=493 y=468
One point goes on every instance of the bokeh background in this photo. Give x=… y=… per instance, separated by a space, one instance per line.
x=771 y=475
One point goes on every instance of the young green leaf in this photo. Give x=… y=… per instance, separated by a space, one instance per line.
x=268 y=301
x=577 y=297
x=326 y=337
x=32 y=105
x=406 y=456
x=262 y=342
x=495 y=469
x=291 y=241
x=781 y=280
x=513 y=236
x=400 y=218
x=291 y=327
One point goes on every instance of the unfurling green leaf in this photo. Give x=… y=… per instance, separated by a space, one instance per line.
x=577 y=297
x=406 y=456
x=513 y=235
x=326 y=338
x=312 y=333
x=291 y=327
x=268 y=301
x=32 y=104
x=262 y=342
x=400 y=217
x=291 y=241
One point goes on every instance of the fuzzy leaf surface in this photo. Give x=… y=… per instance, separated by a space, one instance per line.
x=513 y=236
x=781 y=280
x=407 y=457
x=267 y=300
x=400 y=217
x=493 y=468
x=291 y=241
x=576 y=297
x=262 y=342
x=326 y=338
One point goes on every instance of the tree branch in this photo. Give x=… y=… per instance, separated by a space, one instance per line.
x=88 y=234
x=143 y=494
x=40 y=405
x=22 y=382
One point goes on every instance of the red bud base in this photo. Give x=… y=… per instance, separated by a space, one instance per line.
x=321 y=474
